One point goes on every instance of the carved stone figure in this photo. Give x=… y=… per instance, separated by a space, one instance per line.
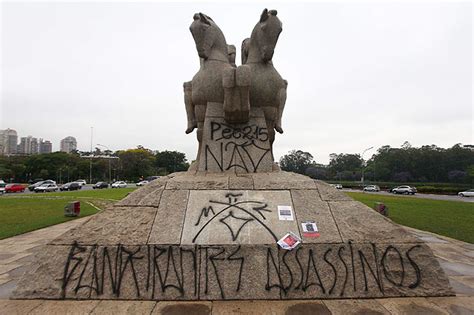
x=216 y=79
x=231 y=51
x=267 y=88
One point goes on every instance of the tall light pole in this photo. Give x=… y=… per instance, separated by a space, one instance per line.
x=110 y=169
x=363 y=165
x=90 y=162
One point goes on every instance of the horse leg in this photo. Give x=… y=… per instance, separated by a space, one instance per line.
x=200 y=114
x=281 y=107
x=271 y=133
x=189 y=107
x=228 y=83
x=242 y=79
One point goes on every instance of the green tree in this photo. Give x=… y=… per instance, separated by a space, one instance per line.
x=136 y=163
x=296 y=161
x=171 y=161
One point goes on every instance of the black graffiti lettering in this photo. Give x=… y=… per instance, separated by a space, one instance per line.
x=131 y=257
x=375 y=273
x=353 y=267
x=241 y=259
x=233 y=206
x=219 y=162
x=221 y=131
x=333 y=269
x=68 y=273
x=192 y=252
x=415 y=267
x=339 y=253
x=79 y=282
x=285 y=263
x=301 y=269
x=271 y=259
x=236 y=159
x=214 y=128
x=312 y=263
x=385 y=269
x=113 y=271
x=245 y=154
x=205 y=211
x=170 y=266
x=90 y=271
x=213 y=259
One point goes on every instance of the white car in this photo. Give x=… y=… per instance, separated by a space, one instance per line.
x=467 y=193
x=82 y=182
x=404 y=190
x=337 y=186
x=142 y=183
x=46 y=188
x=119 y=184
x=372 y=188
x=2 y=188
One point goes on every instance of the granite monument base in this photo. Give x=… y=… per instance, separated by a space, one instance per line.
x=203 y=236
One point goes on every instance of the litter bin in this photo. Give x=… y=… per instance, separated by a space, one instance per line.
x=381 y=208
x=72 y=209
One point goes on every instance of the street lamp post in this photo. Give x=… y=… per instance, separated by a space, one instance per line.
x=110 y=169
x=363 y=165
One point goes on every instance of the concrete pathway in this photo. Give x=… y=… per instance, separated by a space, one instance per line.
x=456 y=258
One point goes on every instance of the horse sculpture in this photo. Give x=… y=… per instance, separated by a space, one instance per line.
x=267 y=88
x=216 y=79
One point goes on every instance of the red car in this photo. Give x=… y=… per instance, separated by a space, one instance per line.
x=12 y=188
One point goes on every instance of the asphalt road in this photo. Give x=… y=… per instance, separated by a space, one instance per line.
x=85 y=187
x=418 y=195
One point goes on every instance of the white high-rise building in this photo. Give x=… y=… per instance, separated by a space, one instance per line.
x=28 y=145
x=8 y=141
x=68 y=144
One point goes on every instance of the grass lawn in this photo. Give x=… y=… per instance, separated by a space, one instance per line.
x=24 y=213
x=454 y=219
x=115 y=194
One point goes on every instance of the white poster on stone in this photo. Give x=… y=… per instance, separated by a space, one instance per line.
x=310 y=229
x=285 y=213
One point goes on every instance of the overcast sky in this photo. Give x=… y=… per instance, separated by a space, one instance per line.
x=359 y=75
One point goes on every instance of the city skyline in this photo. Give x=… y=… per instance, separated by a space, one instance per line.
x=358 y=77
x=11 y=144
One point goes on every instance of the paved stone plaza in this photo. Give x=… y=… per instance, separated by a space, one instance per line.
x=455 y=257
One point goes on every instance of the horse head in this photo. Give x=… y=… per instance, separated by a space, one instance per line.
x=265 y=34
x=207 y=36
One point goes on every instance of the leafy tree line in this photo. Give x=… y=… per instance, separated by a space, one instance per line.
x=428 y=163
x=130 y=165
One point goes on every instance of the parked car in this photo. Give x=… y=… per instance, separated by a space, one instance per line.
x=404 y=190
x=467 y=193
x=2 y=188
x=337 y=186
x=42 y=182
x=13 y=188
x=100 y=185
x=119 y=184
x=82 y=182
x=142 y=183
x=70 y=186
x=46 y=188
x=372 y=188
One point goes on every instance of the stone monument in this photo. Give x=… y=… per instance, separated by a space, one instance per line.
x=234 y=226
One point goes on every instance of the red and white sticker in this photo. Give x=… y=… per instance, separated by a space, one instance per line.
x=289 y=241
x=310 y=229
